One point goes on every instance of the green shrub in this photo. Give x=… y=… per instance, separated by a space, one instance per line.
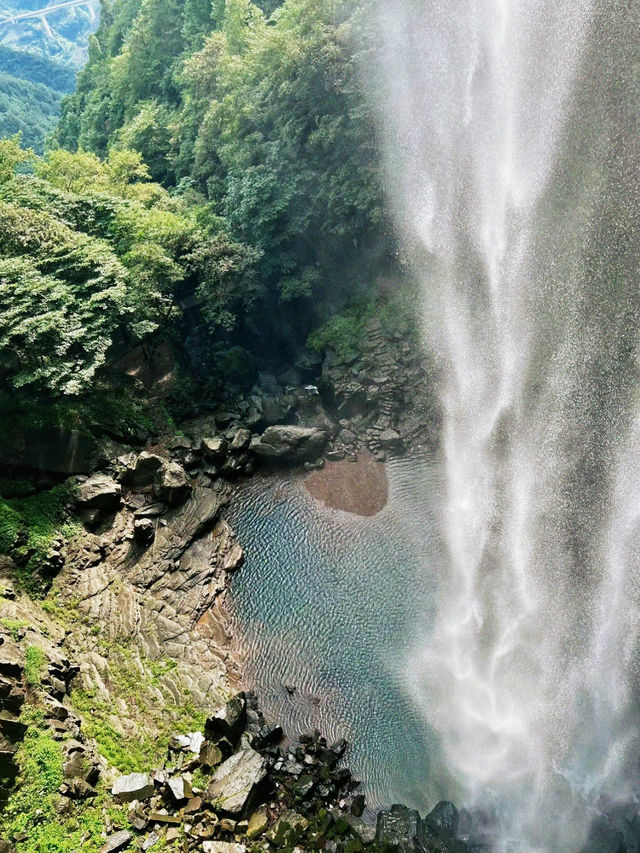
x=35 y=660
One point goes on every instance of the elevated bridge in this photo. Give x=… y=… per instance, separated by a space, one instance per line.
x=48 y=10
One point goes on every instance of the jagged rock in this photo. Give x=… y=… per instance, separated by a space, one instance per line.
x=236 y=780
x=192 y=742
x=360 y=828
x=443 y=821
x=258 y=822
x=214 y=449
x=389 y=439
x=144 y=470
x=164 y=817
x=290 y=444
x=228 y=720
x=115 y=842
x=180 y=788
x=223 y=847
x=402 y=828
x=144 y=531
x=150 y=841
x=99 y=492
x=172 y=485
x=241 y=440
x=267 y=736
x=135 y=786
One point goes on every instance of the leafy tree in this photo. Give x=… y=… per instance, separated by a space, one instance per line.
x=12 y=155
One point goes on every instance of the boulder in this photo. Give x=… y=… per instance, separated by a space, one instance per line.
x=172 y=485
x=135 y=786
x=288 y=829
x=290 y=444
x=115 y=842
x=241 y=440
x=180 y=788
x=228 y=721
x=144 y=471
x=235 y=781
x=443 y=821
x=214 y=449
x=402 y=829
x=389 y=439
x=258 y=822
x=223 y=847
x=99 y=492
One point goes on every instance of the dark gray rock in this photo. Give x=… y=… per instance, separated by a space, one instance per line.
x=99 y=492
x=135 y=786
x=144 y=471
x=236 y=780
x=402 y=828
x=443 y=821
x=241 y=440
x=228 y=721
x=290 y=444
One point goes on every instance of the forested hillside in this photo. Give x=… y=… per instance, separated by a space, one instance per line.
x=217 y=188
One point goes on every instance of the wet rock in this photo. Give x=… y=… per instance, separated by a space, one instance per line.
x=236 y=780
x=290 y=444
x=99 y=492
x=228 y=720
x=115 y=842
x=172 y=485
x=357 y=806
x=135 y=786
x=402 y=828
x=267 y=736
x=361 y=829
x=443 y=821
x=144 y=531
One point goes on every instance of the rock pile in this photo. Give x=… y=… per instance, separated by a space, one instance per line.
x=235 y=787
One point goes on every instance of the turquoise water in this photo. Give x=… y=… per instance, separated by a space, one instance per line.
x=330 y=604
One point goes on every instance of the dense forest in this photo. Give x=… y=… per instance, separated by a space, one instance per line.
x=214 y=182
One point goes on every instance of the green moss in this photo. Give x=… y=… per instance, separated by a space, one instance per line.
x=34 y=663
x=138 y=683
x=342 y=333
x=30 y=526
x=15 y=627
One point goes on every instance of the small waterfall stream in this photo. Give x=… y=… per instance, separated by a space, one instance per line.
x=511 y=140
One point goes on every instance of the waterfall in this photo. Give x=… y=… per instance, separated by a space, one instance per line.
x=511 y=138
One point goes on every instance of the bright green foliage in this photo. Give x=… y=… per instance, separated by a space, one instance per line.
x=31 y=813
x=62 y=296
x=256 y=105
x=14 y=626
x=34 y=663
x=12 y=155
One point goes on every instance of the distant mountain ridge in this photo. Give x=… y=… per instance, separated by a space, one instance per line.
x=38 y=67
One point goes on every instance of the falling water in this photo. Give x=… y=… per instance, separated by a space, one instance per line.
x=511 y=136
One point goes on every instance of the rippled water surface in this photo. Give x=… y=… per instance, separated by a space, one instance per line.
x=330 y=603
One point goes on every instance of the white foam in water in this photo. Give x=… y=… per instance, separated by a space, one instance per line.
x=510 y=132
